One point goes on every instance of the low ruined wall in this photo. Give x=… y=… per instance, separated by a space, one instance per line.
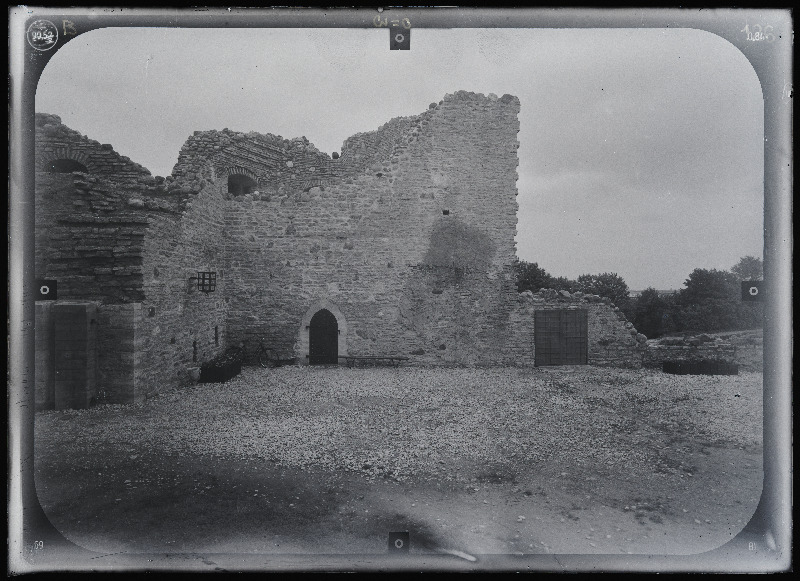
x=689 y=348
x=749 y=345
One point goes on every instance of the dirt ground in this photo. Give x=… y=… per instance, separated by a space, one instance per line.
x=691 y=489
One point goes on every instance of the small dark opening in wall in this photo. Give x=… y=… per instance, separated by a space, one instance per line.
x=151 y=312
x=445 y=212
x=194 y=351
x=240 y=184
x=216 y=335
x=65 y=166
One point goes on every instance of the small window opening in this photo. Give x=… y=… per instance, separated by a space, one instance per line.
x=445 y=212
x=239 y=185
x=216 y=335
x=207 y=281
x=65 y=166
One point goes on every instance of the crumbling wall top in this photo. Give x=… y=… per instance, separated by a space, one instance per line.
x=60 y=149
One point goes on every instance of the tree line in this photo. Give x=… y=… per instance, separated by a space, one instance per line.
x=710 y=300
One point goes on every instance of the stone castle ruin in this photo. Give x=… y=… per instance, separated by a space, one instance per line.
x=401 y=245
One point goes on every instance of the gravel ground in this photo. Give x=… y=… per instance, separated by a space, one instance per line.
x=450 y=424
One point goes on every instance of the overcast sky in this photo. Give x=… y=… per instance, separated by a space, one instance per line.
x=641 y=151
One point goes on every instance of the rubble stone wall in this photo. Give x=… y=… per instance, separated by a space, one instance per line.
x=412 y=242
x=690 y=348
x=180 y=326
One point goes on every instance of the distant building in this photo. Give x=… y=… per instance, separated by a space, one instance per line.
x=661 y=293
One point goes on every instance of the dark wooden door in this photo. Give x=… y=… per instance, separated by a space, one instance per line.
x=323 y=339
x=561 y=337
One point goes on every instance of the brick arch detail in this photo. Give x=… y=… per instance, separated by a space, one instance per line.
x=301 y=346
x=64 y=152
x=226 y=172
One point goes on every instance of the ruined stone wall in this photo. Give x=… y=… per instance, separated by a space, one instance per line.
x=412 y=242
x=407 y=238
x=180 y=326
x=613 y=340
x=277 y=165
x=55 y=141
x=690 y=348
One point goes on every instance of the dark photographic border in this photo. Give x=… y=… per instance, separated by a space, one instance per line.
x=770 y=526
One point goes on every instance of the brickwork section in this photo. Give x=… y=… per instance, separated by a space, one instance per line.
x=613 y=340
x=55 y=141
x=90 y=233
x=277 y=165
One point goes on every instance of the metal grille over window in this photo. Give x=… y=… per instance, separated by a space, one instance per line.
x=207 y=281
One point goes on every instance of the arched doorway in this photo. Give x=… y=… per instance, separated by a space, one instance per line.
x=323 y=339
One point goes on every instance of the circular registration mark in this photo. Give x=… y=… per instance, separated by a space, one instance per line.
x=42 y=35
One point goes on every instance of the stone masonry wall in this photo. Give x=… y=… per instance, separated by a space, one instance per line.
x=97 y=231
x=180 y=326
x=413 y=249
x=119 y=353
x=87 y=238
x=690 y=348
x=613 y=341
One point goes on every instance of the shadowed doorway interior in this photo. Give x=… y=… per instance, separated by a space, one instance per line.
x=323 y=339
